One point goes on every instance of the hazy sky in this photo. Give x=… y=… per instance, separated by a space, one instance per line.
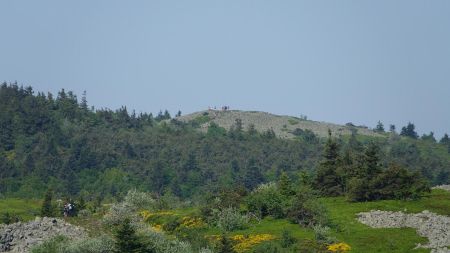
x=335 y=61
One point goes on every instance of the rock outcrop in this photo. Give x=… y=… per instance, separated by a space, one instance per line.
x=435 y=227
x=443 y=187
x=21 y=236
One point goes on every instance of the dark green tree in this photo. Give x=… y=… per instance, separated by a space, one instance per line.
x=328 y=180
x=379 y=128
x=253 y=176
x=285 y=185
x=47 y=206
x=409 y=131
x=371 y=161
x=126 y=239
x=445 y=140
x=392 y=128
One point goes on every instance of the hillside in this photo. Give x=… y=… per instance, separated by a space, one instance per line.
x=283 y=126
x=58 y=142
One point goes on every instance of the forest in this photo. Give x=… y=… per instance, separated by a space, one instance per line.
x=62 y=143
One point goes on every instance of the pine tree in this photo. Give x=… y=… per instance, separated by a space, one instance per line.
x=285 y=185
x=328 y=180
x=84 y=105
x=445 y=140
x=253 y=176
x=47 y=208
x=409 y=131
x=392 y=128
x=380 y=127
x=126 y=239
x=371 y=161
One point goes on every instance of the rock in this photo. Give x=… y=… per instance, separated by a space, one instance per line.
x=442 y=187
x=435 y=227
x=21 y=237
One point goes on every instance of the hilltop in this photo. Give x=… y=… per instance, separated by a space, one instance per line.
x=282 y=125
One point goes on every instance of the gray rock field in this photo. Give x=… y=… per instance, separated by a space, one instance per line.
x=21 y=236
x=432 y=226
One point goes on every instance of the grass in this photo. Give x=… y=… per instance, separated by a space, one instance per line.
x=24 y=208
x=342 y=213
x=365 y=239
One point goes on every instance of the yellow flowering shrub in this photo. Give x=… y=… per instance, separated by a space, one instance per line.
x=157 y=228
x=213 y=238
x=245 y=243
x=192 y=222
x=146 y=215
x=339 y=247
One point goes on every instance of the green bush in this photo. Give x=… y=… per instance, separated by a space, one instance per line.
x=306 y=210
x=54 y=245
x=287 y=239
x=102 y=244
x=267 y=200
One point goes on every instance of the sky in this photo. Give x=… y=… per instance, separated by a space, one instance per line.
x=334 y=61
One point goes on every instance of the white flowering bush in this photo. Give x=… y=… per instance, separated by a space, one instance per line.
x=139 y=200
x=205 y=250
x=230 y=219
x=102 y=244
x=128 y=209
x=158 y=242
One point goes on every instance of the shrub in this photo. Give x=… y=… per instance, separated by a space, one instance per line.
x=173 y=223
x=268 y=247
x=398 y=183
x=8 y=218
x=306 y=210
x=54 y=245
x=102 y=244
x=266 y=200
x=287 y=239
x=157 y=242
x=230 y=219
x=139 y=200
x=84 y=213
x=127 y=209
x=339 y=247
x=322 y=235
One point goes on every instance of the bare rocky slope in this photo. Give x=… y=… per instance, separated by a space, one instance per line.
x=20 y=237
x=283 y=126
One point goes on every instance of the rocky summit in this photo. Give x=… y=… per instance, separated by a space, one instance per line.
x=21 y=236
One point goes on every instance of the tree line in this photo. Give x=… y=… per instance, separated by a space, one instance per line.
x=60 y=142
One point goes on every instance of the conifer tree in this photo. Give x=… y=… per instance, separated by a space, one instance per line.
x=126 y=239
x=328 y=180
x=285 y=185
x=445 y=140
x=380 y=127
x=253 y=176
x=392 y=128
x=47 y=208
x=371 y=159
x=409 y=131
